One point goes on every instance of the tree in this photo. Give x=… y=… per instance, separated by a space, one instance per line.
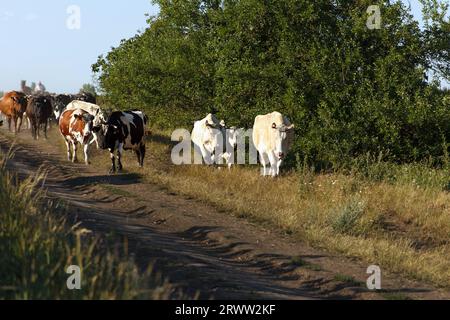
x=88 y=88
x=348 y=89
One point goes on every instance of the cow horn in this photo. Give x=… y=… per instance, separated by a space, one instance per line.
x=291 y=127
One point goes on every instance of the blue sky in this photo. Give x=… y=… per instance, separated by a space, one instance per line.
x=38 y=46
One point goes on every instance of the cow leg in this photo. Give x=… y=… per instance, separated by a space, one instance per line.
x=9 y=123
x=17 y=124
x=119 y=157
x=207 y=156
x=264 y=159
x=138 y=156
x=142 y=151
x=74 y=155
x=45 y=129
x=34 y=130
x=279 y=163
x=113 y=161
x=273 y=164
x=68 y=148
x=86 y=154
x=20 y=124
x=95 y=139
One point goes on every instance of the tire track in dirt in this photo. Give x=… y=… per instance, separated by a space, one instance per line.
x=196 y=246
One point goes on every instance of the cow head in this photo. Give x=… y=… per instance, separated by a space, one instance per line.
x=22 y=101
x=86 y=124
x=281 y=133
x=99 y=118
x=107 y=134
x=214 y=135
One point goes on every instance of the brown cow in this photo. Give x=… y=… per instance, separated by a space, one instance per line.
x=13 y=106
x=76 y=127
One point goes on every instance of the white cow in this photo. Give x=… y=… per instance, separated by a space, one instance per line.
x=273 y=135
x=92 y=109
x=209 y=135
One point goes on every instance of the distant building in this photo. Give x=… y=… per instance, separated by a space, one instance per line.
x=40 y=88
x=34 y=89
x=24 y=88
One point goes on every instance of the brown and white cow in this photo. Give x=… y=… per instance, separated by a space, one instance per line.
x=76 y=128
x=13 y=106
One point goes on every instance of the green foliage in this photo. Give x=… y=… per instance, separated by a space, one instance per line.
x=88 y=88
x=346 y=218
x=348 y=89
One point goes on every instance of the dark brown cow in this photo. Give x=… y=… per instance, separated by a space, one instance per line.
x=38 y=112
x=76 y=127
x=13 y=106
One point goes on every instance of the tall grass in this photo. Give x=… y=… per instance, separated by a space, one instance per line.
x=37 y=245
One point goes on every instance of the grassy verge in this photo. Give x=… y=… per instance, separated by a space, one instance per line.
x=37 y=245
x=395 y=216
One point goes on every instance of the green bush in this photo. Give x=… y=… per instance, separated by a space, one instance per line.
x=349 y=90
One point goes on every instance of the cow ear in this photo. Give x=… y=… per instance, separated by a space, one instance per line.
x=274 y=125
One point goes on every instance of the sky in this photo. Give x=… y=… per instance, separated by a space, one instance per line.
x=38 y=45
x=41 y=40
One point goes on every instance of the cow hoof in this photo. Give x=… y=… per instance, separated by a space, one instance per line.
x=112 y=171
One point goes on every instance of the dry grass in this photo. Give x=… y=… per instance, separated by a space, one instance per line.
x=397 y=217
x=37 y=245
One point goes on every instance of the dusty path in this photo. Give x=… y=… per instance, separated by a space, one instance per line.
x=196 y=246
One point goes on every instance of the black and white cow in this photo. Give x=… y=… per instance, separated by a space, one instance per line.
x=123 y=131
x=59 y=103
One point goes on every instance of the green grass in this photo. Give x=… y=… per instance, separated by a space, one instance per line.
x=299 y=262
x=117 y=191
x=348 y=280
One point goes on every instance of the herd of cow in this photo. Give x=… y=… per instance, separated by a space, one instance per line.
x=82 y=122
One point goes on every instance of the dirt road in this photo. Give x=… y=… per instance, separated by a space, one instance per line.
x=196 y=246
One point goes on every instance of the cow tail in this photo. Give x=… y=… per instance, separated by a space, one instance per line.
x=145 y=119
